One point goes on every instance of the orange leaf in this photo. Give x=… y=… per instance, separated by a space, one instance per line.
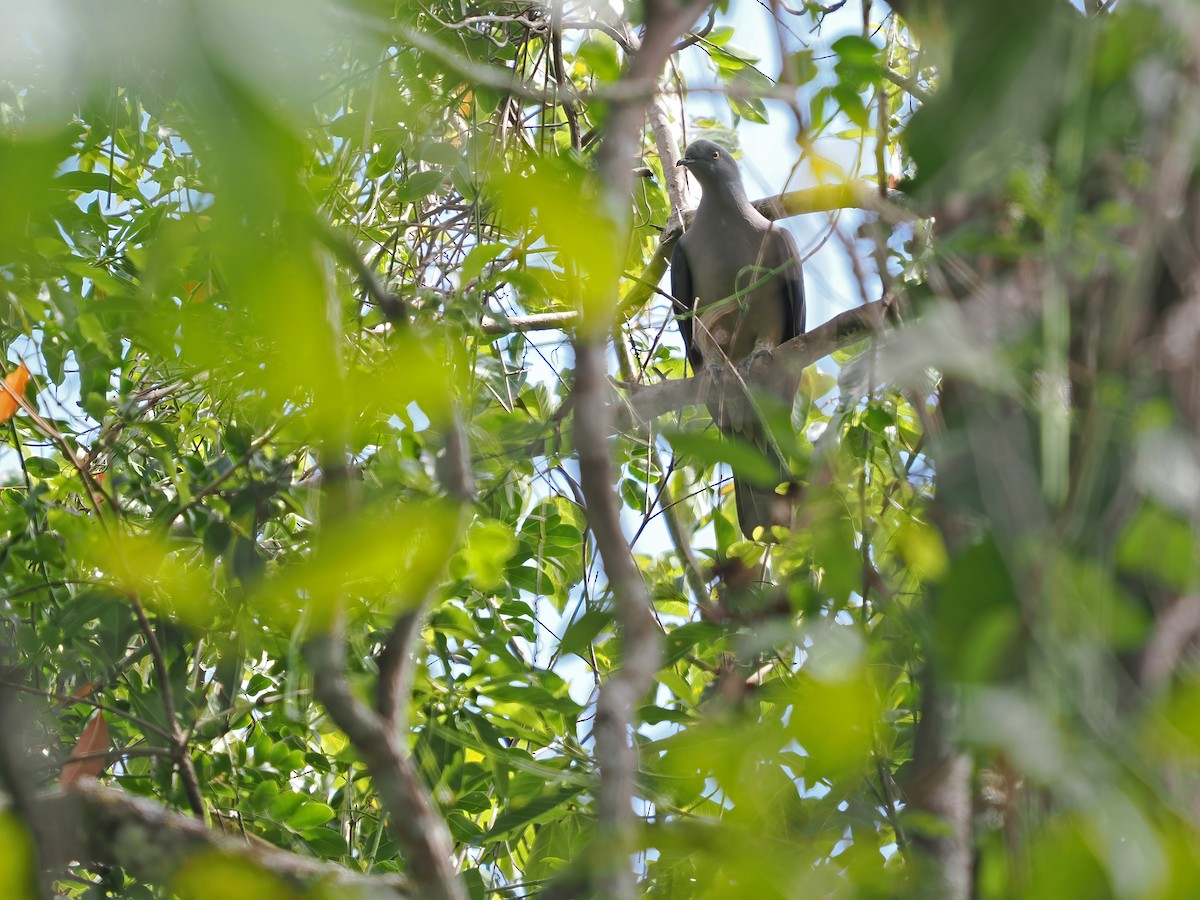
x=16 y=380
x=92 y=742
x=195 y=290
x=83 y=690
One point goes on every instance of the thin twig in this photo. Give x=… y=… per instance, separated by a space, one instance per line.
x=94 y=491
x=179 y=742
x=68 y=699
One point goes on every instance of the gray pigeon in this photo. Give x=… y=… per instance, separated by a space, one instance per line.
x=738 y=290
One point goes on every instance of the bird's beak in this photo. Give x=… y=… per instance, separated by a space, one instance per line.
x=683 y=161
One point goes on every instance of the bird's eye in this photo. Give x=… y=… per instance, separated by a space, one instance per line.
x=716 y=154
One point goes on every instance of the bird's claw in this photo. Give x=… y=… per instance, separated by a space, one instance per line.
x=756 y=360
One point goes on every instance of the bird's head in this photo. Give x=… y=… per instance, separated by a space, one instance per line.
x=711 y=164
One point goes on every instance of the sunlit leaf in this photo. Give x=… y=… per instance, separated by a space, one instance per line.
x=213 y=874
x=711 y=448
x=17 y=863
x=14 y=384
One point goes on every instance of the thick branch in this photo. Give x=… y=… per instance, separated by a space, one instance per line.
x=939 y=784
x=666 y=20
x=857 y=194
x=104 y=825
x=625 y=687
x=418 y=825
x=648 y=401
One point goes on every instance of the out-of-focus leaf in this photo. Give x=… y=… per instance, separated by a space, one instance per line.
x=213 y=874
x=711 y=448
x=17 y=869
x=599 y=52
x=519 y=815
x=565 y=205
x=1162 y=544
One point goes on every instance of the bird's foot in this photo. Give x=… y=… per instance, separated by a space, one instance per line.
x=756 y=361
x=715 y=373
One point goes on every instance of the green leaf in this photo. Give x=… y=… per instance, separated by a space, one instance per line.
x=751 y=109
x=519 y=814
x=478 y=258
x=263 y=795
x=581 y=633
x=711 y=448
x=681 y=640
x=850 y=102
x=42 y=466
x=439 y=153
x=858 y=61
x=1162 y=544
x=286 y=804
x=308 y=814
x=599 y=52
x=801 y=67
x=418 y=185
x=489 y=546
x=327 y=842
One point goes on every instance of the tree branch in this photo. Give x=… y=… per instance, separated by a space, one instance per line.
x=398 y=659
x=414 y=818
x=105 y=825
x=666 y=20
x=646 y=402
x=179 y=740
x=555 y=321
x=909 y=85
x=859 y=194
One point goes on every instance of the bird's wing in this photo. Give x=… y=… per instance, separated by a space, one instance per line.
x=683 y=299
x=784 y=253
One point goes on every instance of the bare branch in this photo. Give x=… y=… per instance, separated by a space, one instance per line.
x=699 y=34
x=648 y=401
x=909 y=85
x=665 y=22
x=105 y=825
x=414 y=818
x=555 y=321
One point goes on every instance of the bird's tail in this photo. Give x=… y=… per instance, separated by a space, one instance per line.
x=762 y=506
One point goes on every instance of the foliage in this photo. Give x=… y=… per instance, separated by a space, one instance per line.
x=253 y=255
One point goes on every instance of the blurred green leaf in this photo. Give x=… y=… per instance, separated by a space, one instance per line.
x=712 y=448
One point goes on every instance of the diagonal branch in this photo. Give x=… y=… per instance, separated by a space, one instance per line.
x=179 y=740
x=646 y=402
x=398 y=659
x=105 y=825
x=415 y=819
